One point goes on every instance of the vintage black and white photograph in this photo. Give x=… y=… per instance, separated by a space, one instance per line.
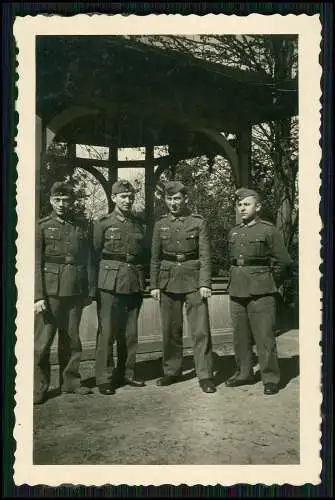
x=165 y=192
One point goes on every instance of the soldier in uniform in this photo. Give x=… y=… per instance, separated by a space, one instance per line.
x=181 y=274
x=61 y=291
x=119 y=252
x=259 y=262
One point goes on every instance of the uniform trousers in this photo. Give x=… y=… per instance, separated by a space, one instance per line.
x=171 y=306
x=63 y=314
x=118 y=318
x=254 y=318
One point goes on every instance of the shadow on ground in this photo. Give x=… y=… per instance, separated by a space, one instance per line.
x=152 y=369
x=224 y=367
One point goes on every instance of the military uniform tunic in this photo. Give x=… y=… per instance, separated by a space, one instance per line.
x=119 y=252
x=259 y=262
x=61 y=279
x=180 y=265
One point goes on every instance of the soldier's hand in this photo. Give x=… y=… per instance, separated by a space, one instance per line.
x=205 y=292
x=39 y=306
x=156 y=294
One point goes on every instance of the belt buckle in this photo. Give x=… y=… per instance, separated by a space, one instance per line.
x=240 y=261
x=68 y=259
x=180 y=257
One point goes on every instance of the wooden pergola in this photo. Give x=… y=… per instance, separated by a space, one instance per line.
x=114 y=92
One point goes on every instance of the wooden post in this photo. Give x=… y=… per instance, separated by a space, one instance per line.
x=229 y=151
x=149 y=186
x=39 y=155
x=244 y=154
x=113 y=172
x=72 y=154
x=244 y=158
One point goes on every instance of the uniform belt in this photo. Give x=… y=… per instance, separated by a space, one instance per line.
x=63 y=260
x=131 y=259
x=180 y=257
x=251 y=262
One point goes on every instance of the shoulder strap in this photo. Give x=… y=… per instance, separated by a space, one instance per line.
x=268 y=223
x=44 y=219
x=102 y=217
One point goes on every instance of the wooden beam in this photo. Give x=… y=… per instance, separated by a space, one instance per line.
x=71 y=148
x=244 y=154
x=72 y=151
x=110 y=163
x=113 y=173
x=149 y=186
x=63 y=118
x=229 y=151
x=113 y=165
x=39 y=149
x=244 y=158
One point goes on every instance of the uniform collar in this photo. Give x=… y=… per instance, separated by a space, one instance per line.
x=180 y=217
x=58 y=219
x=251 y=223
x=119 y=216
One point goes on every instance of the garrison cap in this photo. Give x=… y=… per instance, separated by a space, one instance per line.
x=174 y=187
x=122 y=186
x=62 y=189
x=245 y=192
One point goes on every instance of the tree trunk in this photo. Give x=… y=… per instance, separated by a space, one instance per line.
x=284 y=177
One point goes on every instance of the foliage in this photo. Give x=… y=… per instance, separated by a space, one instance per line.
x=275 y=174
x=55 y=167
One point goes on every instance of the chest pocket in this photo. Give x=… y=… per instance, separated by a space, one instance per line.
x=52 y=238
x=166 y=238
x=113 y=240
x=258 y=246
x=231 y=245
x=191 y=241
x=165 y=233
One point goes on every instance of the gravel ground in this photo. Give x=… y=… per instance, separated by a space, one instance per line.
x=177 y=424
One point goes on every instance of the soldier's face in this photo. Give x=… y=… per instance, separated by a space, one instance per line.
x=248 y=208
x=176 y=203
x=61 y=204
x=124 y=201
